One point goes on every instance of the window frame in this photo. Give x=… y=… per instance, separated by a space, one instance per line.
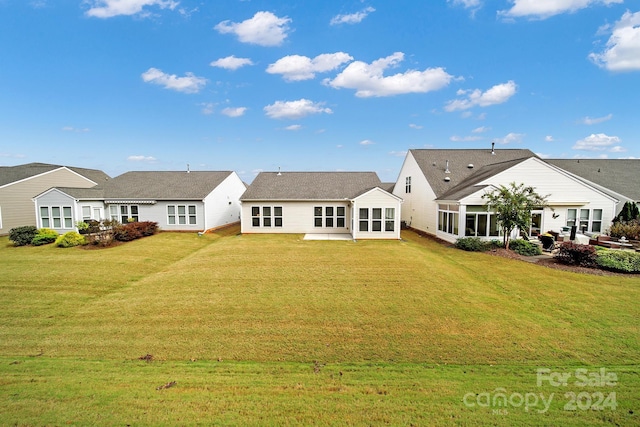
x=59 y=217
x=266 y=216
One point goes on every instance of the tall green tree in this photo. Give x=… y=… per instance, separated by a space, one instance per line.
x=512 y=205
x=629 y=212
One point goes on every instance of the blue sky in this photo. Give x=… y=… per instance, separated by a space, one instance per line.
x=254 y=85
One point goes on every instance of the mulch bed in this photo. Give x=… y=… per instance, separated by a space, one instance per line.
x=551 y=262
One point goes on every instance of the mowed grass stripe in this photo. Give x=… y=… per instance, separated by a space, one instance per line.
x=279 y=298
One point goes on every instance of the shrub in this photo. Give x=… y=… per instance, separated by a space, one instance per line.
x=44 y=237
x=628 y=229
x=472 y=244
x=576 y=254
x=22 y=236
x=525 y=248
x=70 y=239
x=624 y=261
x=83 y=227
x=135 y=230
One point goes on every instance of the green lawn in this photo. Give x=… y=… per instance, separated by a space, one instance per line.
x=274 y=330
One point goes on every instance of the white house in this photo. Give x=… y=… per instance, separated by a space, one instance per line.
x=354 y=203
x=443 y=192
x=177 y=201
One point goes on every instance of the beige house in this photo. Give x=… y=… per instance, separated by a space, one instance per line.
x=20 y=184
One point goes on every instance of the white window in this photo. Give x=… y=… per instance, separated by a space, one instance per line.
x=585 y=219
x=124 y=213
x=86 y=213
x=371 y=219
x=480 y=223
x=266 y=216
x=329 y=216
x=59 y=217
x=448 y=218
x=182 y=214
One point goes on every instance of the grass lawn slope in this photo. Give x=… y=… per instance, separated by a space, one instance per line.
x=232 y=329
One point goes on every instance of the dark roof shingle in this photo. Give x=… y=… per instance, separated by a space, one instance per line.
x=462 y=165
x=310 y=185
x=9 y=174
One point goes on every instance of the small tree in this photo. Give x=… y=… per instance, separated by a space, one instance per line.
x=629 y=212
x=512 y=206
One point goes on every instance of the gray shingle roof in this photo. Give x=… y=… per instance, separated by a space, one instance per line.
x=470 y=185
x=433 y=164
x=164 y=185
x=619 y=175
x=9 y=174
x=310 y=185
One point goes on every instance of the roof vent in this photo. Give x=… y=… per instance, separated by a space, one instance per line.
x=279 y=173
x=493 y=146
x=188 y=170
x=447 y=179
x=470 y=165
x=447 y=168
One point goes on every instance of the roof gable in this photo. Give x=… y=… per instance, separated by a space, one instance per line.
x=12 y=174
x=619 y=175
x=446 y=169
x=310 y=185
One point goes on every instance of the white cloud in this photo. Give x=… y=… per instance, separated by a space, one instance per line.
x=549 y=138
x=72 y=129
x=111 y=8
x=456 y=138
x=352 y=18
x=595 y=120
x=398 y=153
x=596 y=142
x=415 y=126
x=295 y=109
x=366 y=142
x=622 y=52
x=231 y=62
x=264 y=29
x=542 y=9
x=618 y=149
x=297 y=67
x=496 y=95
x=234 y=112
x=368 y=79
x=146 y=159
x=511 y=138
x=188 y=84
x=293 y=127
x=481 y=129
x=207 y=108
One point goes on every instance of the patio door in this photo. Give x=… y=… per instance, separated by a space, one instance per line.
x=536 y=224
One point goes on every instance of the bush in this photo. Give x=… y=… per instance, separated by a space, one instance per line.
x=472 y=244
x=628 y=229
x=135 y=230
x=525 y=248
x=624 y=261
x=70 y=239
x=44 y=237
x=576 y=254
x=22 y=236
